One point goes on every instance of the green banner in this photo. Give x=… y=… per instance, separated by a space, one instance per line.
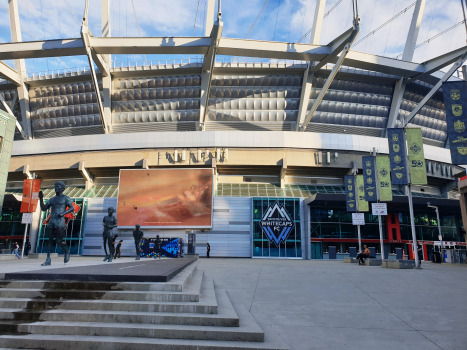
x=416 y=156
x=362 y=203
x=384 y=178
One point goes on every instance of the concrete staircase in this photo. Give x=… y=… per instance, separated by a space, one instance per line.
x=187 y=313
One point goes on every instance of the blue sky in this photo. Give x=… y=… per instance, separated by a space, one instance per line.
x=282 y=20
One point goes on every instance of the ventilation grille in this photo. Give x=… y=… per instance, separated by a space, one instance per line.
x=244 y=126
x=433 y=143
x=65 y=132
x=343 y=129
x=155 y=127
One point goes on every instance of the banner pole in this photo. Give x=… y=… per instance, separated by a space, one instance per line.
x=359 y=239
x=24 y=240
x=377 y=197
x=409 y=195
x=358 y=210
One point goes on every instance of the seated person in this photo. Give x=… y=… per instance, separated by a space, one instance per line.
x=364 y=255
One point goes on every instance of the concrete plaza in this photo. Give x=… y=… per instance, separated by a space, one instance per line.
x=324 y=304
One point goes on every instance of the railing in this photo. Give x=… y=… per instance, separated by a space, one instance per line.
x=56 y=73
x=266 y=62
x=157 y=64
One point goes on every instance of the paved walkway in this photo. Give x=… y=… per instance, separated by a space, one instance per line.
x=324 y=304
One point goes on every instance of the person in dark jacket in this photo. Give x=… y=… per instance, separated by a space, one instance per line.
x=27 y=249
x=118 y=250
x=420 y=253
x=208 y=249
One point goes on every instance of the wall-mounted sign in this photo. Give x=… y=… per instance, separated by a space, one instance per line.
x=379 y=209
x=276 y=223
x=358 y=219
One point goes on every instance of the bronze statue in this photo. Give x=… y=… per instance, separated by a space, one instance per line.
x=109 y=222
x=138 y=235
x=60 y=206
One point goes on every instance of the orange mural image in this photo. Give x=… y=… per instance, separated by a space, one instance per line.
x=165 y=198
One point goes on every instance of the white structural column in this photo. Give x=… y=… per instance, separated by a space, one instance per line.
x=412 y=36
x=315 y=34
x=395 y=105
x=107 y=80
x=208 y=66
x=209 y=17
x=20 y=66
x=308 y=76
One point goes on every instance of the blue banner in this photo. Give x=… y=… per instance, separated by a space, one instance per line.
x=397 y=156
x=350 y=192
x=369 y=178
x=455 y=100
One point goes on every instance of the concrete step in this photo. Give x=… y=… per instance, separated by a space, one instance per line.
x=207 y=303
x=190 y=294
x=175 y=285
x=226 y=317
x=98 y=294
x=272 y=341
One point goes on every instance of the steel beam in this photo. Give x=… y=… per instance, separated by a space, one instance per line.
x=10 y=74
x=20 y=67
x=435 y=88
x=307 y=85
x=336 y=46
x=206 y=75
x=395 y=105
x=317 y=22
x=9 y=111
x=45 y=48
x=162 y=46
x=412 y=35
x=325 y=88
x=438 y=63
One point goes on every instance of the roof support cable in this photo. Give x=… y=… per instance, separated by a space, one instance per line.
x=137 y=24
x=259 y=15
x=385 y=23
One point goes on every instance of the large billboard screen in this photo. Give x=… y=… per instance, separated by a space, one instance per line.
x=165 y=198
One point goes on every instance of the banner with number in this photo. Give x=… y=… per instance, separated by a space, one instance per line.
x=455 y=100
x=397 y=152
x=384 y=178
x=416 y=156
x=362 y=203
x=368 y=164
x=350 y=193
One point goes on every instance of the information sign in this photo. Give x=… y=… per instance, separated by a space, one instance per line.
x=358 y=219
x=379 y=209
x=27 y=218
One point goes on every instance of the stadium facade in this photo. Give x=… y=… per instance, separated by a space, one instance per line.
x=284 y=125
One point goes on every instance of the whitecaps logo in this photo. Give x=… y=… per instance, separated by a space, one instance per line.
x=276 y=223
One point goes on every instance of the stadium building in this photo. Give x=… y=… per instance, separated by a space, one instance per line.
x=284 y=123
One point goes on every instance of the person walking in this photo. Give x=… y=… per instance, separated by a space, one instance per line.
x=15 y=250
x=208 y=249
x=118 y=250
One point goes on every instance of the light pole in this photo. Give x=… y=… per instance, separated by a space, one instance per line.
x=440 y=236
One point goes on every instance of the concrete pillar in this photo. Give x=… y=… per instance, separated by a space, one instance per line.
x=107 y=81
x=413 y=31
x=315 y=34
x=20 y=66
x=209 y=17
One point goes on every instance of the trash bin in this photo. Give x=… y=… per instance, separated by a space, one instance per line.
x=352 y=252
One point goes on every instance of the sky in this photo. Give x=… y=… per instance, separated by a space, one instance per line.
x=281 y=20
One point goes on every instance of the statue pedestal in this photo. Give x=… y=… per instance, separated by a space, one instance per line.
x=191 y=256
